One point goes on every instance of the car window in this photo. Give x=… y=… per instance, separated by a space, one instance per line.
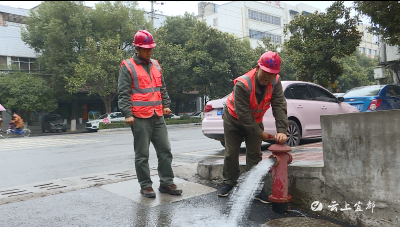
x=363 y=91
x=393 y=91
x=55 y=117
x=322 y=95
x=301 y=91
x=103 y=116
x=288 y=94
x=113 y=115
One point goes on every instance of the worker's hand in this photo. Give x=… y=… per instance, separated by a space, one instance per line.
x=266 y=136
x=280 y=138
x=167 y=111
x=130 y=120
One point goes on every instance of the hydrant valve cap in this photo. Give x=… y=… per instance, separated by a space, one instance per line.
x=279 y=148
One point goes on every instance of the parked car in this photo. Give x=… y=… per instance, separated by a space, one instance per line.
x=196 y=115
x=306 y=102
x=53 y=122
x=172 y=116
x=106 y=118
x=374 y=97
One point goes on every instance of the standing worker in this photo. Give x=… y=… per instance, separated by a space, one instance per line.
x=243 y=114
x=143 y=99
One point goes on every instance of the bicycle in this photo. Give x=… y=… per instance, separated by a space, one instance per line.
x=22 y=132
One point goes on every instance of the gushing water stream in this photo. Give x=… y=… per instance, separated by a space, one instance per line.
x=244 y=193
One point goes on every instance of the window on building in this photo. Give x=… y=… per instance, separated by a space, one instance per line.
x=254 y=15
x=369 y=51
x=292 y=14
x=258 y=35
x=25 y=63
x=375 y=52
x=362 y=50
x=3 y=61
x=215 y=22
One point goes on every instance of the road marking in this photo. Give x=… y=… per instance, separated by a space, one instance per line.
x=29 y=143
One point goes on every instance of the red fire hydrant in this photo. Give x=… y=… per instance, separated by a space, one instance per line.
x=280 y=197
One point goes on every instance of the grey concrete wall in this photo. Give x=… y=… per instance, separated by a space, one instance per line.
x=362 y=163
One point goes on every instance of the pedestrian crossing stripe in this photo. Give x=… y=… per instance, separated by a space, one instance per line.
x=30 y=143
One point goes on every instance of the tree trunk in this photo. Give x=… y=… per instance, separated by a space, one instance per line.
x=177 y=101
x=73 y=112
x=107 y=102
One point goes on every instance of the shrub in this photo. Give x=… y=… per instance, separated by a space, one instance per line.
x=185 y=117
x=121 y=124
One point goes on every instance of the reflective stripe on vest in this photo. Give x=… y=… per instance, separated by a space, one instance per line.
x=145 y=97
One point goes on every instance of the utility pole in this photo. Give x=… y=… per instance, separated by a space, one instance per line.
x=152 y=13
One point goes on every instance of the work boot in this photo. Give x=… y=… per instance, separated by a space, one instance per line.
x=170 y=189
x=224 y=190
x=262 y=197
x=148 y=192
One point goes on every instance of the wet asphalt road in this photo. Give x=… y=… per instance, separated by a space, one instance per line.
x=37 y=159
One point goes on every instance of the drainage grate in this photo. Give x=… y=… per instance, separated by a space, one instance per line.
x=24 y=192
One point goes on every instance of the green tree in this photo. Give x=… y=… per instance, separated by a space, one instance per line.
x=358 y=70
x=177 y=29
x=122 y=18
x=217 y=58
x=319 y=40
x=385 y=18
x=26 y=92
x=57 y=31
x=98 y=69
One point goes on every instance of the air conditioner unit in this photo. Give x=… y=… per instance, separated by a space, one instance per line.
x=379 y=72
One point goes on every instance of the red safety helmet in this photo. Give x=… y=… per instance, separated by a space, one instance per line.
x=270 y=62
x=143 y=39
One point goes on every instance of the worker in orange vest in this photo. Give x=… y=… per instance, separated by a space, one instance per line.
x=252 y=96
x=143 y=100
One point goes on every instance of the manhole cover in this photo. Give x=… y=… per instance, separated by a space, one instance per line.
x=300 y=222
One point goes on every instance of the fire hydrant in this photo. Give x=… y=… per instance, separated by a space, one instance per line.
x=280 y=197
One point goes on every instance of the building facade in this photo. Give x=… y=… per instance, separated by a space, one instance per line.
x=252 y=19
x=369 y=42
x=13 y=51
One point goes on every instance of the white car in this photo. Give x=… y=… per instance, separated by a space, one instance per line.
x=106 y=118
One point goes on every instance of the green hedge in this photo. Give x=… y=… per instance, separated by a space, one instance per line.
x=168 y=121
x=121 y=124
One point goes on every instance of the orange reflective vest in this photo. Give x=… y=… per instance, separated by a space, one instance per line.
x=257 y=110
x=146 y=96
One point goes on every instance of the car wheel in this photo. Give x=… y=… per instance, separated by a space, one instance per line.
x=95 y=130
x=57 y=130
x=293 y=134
x=43 y=129
x=64 y=130
x=222 y=143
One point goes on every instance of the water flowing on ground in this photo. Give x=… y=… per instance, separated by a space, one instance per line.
x=243 y=194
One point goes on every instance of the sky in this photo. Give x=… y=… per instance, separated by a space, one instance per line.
x=172 y=8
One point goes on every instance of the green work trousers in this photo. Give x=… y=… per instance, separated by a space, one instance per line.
x=234 y=132
x=146 y=130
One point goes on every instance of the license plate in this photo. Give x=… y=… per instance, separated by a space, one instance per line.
x=219 y=112
x=59 y=128
x=359 y=106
